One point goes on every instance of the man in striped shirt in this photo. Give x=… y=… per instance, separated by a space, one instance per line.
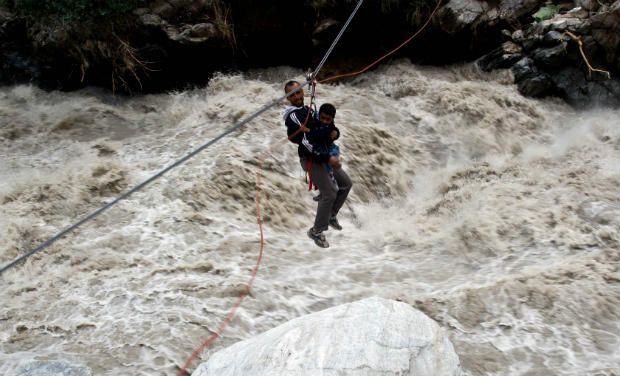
x=301 y=128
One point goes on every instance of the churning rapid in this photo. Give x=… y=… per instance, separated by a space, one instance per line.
x=496 y=215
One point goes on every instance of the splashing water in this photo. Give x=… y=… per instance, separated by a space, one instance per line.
x=496 y=215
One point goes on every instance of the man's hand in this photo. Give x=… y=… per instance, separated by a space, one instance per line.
x=304 y=129
x=333 y=135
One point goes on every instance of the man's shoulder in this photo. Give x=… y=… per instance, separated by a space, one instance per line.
x=295 y=114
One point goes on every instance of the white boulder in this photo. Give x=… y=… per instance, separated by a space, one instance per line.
x=369 y=337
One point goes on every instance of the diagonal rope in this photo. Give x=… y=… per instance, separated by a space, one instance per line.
x=179 y=162
x=138 y=187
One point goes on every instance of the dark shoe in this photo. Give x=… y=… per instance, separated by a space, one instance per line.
x=317 y=198
x=333 y=221
x=318 y=237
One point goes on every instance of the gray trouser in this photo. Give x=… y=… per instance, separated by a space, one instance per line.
x=332 y=196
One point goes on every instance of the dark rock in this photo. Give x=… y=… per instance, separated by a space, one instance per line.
x=574 y=25
x=5 y=15
x=536 y=86
x=553 y=57
x=518 y=36
x=589 y=5
x=506 y=35
x=141 y=11
x=579 y=90
x=190 y=34
x=203 y=31
x=153 y=20
x=184 y=41
x=531 y=42
x=518 y=8
x=578 y=12
x=325 y=25
x=459 y=15
x=324 y=32
x=606 y=31
x=503 y=57
x=523 y=69
x=552 y=38
x=163 y=9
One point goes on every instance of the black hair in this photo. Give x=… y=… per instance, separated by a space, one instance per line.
x=289 y=84
x=327 y=109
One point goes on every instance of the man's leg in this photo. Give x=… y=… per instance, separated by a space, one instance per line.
x=344 y=186
x=327 y=191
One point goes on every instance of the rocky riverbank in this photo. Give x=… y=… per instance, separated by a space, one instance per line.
x=565 y=49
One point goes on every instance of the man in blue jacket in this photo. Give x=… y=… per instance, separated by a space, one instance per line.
x=332 y=192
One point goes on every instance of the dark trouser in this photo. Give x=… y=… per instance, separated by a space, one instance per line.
x=332 y=196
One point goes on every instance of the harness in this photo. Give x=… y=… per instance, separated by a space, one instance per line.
x=312 y=108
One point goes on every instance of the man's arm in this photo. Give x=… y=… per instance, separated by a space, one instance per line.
x=293 y=123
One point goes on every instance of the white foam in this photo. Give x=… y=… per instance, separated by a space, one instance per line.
x=492 y=213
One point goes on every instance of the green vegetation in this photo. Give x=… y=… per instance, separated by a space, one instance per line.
x=68 y=10
x=546 y=12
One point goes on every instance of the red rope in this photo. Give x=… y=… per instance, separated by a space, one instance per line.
x=386 y=55
x=246 y=291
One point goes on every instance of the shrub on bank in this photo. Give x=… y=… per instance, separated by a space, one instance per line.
x=69 y=10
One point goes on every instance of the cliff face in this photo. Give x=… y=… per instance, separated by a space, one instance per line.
x=165 y=44
x=568 y=49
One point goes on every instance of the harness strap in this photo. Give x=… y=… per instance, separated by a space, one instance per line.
x=309 y=172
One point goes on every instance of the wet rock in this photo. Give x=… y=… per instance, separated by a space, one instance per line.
x=530 y=80
x=518 y=8
x=501 y=58
x=149 y=19
x=518 y=36
x=530 y=43
x=562 y=24
x=163 y=9
x=141 y=11
x=524 y=68
x=552 y=38
x=578 y=12
x=588 y=5
x=5 y=16
x=506 y=35
x=324 y=25
x=581 y=90
x=203 y=31
x=606 y=31
x=459 y=15
x=553 y=57
x=324 y=32
x=187 y=34
x=53 y=368
x=537 y=86
x=372 y=336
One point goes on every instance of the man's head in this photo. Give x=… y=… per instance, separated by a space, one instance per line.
x=297 y=98
x=327 y=113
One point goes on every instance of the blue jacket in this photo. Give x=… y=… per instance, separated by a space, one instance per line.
x=313 y=144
